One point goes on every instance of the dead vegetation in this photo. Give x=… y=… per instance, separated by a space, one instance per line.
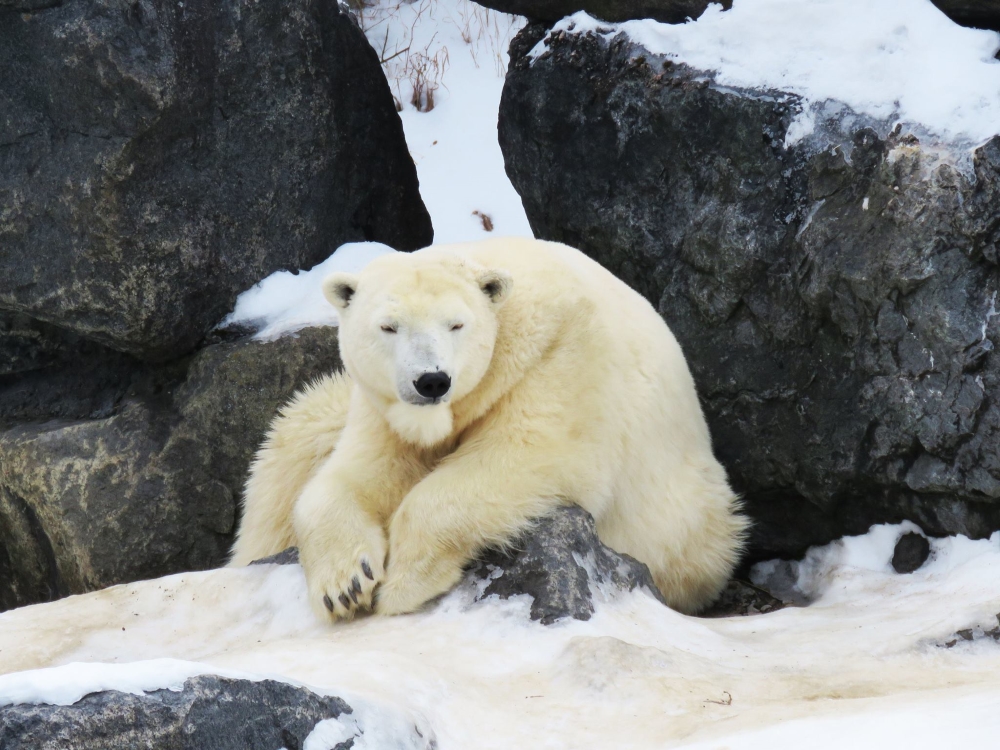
x=486 y=220
x=416 y=69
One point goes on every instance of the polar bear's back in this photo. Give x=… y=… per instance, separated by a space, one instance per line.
x=625 y=328
x=654 y=474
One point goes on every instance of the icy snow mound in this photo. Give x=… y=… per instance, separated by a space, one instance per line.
x=865 y=666
x=902 y=61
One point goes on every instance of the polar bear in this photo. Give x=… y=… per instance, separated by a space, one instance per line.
x=485 y=384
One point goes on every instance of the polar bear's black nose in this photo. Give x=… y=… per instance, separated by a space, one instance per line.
x=432 y=384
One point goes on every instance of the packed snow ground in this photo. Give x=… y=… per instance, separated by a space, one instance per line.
x=458 y=51
x=864 y=666
x=902 y=60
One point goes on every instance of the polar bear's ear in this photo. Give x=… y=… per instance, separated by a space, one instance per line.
x=339 y=288
x=496 y=285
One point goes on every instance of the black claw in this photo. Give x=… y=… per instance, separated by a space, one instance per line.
x=327 y=602
x=345 y=601
x=354 y=597
x=366 y=569
x=356 y=585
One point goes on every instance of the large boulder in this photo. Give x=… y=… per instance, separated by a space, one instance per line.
x=50 y=373
x=837 y=301
x=979 y=14
x=157 y=158
x=207 y=713
x=149 y=482
x=559 y=562
x=668 y=11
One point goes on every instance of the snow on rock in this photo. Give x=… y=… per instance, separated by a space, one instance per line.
x=287 y=302
x=863 y=666
x=211 y=713
x=65 y=685
x=901 y=61
x=206 y=712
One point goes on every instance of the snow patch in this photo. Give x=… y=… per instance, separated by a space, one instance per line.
x=990 y=314
x=812 y=215
x=894 y=62
x=329 y=733
x=460 y=49
x=286 y=302
x=372 y=727
x=65 y=685
x=865 y=660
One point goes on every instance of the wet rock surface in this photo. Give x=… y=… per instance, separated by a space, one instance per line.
x=741 y=598
x=667 y=11
x=973 y=634
x=910 y=553
x=836 y=299
x=288 y=556
x=979 y=14
x=557 y=563
x=158 y=158
x=151 y=484
x=209 y=713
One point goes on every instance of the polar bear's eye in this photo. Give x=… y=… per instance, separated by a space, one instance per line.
x=457 y=326
x=389 y=329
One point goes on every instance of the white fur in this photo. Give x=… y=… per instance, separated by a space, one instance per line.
x=566 y=387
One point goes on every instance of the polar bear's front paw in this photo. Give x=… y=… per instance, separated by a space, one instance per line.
x=342 y=586
x=408 y=587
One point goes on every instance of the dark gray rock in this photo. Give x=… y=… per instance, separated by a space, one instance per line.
x=209 y=713
x=911 y=551
x=780 y=579
x=668 y=11
x=288 y=556
x=979 y=14
x=837 y=300
x=973 y=634
x=151 y=486
x=741 y=599
x=157 y=158
x=556 y=563
x=48 y=373
x=27 y=345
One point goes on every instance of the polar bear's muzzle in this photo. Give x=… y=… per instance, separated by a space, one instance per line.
x=432 y=386
x=424 y=373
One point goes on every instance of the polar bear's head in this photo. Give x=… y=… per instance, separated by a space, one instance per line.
x=417 y=333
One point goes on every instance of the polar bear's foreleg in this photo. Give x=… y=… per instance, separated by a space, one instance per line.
x=474 y=500
x=342 y=545
x=340 y=518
